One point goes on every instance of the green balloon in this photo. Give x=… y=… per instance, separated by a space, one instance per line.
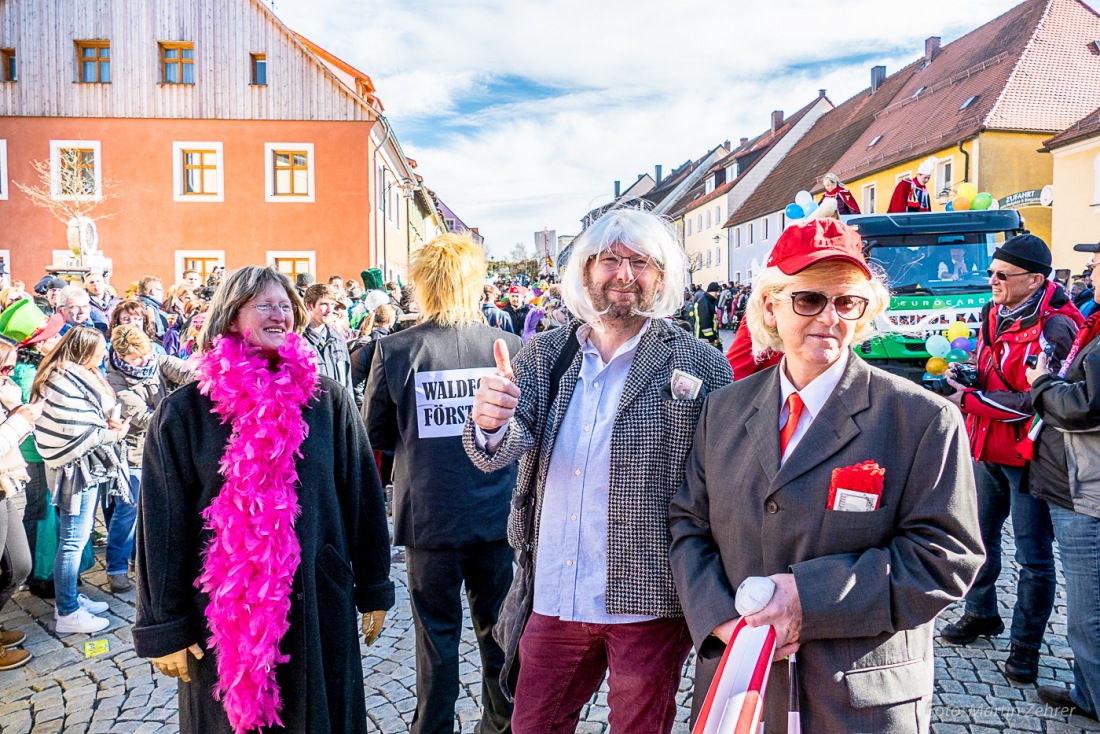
x=957 y=355
x=981 y=202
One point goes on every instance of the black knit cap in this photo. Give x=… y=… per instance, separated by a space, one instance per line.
x=1026 y=251
x=714 y=288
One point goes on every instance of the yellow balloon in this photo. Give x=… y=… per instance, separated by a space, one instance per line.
x=968 y=190
x=958 y=329
x=936 y=366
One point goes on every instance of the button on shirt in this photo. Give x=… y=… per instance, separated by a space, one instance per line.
x=814 y=396
x=571 y=573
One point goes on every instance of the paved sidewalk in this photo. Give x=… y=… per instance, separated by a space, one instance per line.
x=62 y=691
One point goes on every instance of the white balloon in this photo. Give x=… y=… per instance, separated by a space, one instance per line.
x=804 y=199
x=753 y=594
x=995 y=205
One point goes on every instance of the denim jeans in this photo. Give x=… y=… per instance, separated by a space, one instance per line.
x=998 y=497
x=75 y=529
x=120 y=529
x=1079 y=546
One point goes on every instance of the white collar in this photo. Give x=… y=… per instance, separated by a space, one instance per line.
x=816 y=394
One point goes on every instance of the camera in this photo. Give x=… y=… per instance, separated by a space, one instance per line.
x=965 y=374
x=1031 y=361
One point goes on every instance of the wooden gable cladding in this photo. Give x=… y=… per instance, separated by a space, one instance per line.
x=225 y=34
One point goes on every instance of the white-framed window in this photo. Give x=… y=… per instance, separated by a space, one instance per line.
x=202 y=260
x=710 y=258
x=737 y=238
x=709 y=185
x=293 y=262
x=945 y=176
x=4 y=173
x=765 y=228
x=289 y=169
x=1096 y=182
x=197 y=171
x=5 y=268
x=737 y=277
x=687 y=225
x=903 y=177
x=717 y=255
x=76 y=170
x=718 y=214
x=750 y=233
x=868 y=206
x=699 y=223
x=749 y=275
x=708 y=220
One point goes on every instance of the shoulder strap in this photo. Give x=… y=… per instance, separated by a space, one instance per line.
x=561 y=366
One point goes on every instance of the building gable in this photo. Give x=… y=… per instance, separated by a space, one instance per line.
x=225 y=34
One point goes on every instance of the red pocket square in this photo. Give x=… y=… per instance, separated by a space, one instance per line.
x=857 y=487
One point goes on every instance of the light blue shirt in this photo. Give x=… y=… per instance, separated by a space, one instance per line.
x=571 y=573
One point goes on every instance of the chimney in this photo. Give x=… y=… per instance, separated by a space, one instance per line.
x=474 y=230
x=821 y=93
x=743 y=141
x=777 y=120
x=617 y=187
x=931 y=48
x=878 y=76
x=726 y=145
x=657 y=170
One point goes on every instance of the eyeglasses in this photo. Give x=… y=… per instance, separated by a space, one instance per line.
x=265 y=308
x=7 y=369
x=1003 y=276
x=811 y=303
x=609 y=262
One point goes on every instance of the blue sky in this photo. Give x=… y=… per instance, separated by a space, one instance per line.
x=521 y=115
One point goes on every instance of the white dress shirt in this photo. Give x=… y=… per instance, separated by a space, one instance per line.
x=814 y=396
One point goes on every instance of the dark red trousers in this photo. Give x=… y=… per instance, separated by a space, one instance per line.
x=563 y=663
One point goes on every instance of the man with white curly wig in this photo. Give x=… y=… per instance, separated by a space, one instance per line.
x=600 y=415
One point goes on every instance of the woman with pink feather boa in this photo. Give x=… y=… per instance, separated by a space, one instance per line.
x=262 y=528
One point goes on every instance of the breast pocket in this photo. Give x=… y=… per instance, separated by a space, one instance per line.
x=855 y=532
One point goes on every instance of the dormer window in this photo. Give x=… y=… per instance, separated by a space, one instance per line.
x=708 y=185
x=968 y=102
x=874 y=142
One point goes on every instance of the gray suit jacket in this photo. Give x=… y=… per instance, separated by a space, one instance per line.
x=650 y=440
x=870 y=584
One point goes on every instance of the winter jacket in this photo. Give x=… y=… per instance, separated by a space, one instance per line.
x=13 y=430
x=704 y=318
x=332 y=354
x=26 y=367
x=140 y=397
x=999 y=409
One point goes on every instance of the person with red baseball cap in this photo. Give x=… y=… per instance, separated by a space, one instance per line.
x=861 y=568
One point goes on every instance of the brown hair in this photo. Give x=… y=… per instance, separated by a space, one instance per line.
x=129 y=339
x=76 y=347
x=146 y=283
x=238 y=289
x=134 y=306
x=318 y=292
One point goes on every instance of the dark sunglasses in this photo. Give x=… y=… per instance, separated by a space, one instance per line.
x=1003 y=276
x=811 y=303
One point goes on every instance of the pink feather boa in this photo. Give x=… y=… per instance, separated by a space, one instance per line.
x=249 y=564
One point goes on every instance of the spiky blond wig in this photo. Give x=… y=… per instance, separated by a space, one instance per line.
x=447 y=276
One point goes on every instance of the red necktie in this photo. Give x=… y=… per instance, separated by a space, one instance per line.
x=794 y=405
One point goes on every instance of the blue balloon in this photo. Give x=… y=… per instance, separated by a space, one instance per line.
x=794 y=211
x=973 y=343
x=950 y=206
x=937 y=345
x=809 y=209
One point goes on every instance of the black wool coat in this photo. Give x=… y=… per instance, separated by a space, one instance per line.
x=345 y=559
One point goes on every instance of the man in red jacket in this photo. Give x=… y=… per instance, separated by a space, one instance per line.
x=1028 y=315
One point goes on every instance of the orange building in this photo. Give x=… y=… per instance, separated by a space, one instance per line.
x=230 y=139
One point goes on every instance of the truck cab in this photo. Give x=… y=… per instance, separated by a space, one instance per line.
x=935 y=265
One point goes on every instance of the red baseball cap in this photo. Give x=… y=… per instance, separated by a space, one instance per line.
x=803 y=245
x=515 y=289
x=51 y=328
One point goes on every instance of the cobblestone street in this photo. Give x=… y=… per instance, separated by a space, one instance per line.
x=62 y=691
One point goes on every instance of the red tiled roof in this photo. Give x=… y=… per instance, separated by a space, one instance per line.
x=711 y=196
x=1087 y=127
x=758 y=145
x=1029 y=69
x=817 y=152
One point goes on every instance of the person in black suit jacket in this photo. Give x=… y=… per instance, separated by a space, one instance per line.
x=450 y=516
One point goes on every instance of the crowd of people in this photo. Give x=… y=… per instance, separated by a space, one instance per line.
x=576 y=457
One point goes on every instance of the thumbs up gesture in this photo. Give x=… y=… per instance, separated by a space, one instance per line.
x=497 y=397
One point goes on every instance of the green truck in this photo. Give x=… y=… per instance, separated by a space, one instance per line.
x=935 y=265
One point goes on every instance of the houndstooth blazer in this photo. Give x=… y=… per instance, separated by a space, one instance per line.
x=650 y=441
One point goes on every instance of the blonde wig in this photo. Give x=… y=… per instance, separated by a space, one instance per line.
x=645 y=233
x=447 y=276
x=773 y=283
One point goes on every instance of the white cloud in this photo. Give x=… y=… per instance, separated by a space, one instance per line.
x=636 y=84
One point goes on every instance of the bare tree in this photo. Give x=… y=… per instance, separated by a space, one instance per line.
x=69 y=193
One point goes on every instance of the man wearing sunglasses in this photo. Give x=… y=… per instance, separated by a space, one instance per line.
x=1028 y=315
